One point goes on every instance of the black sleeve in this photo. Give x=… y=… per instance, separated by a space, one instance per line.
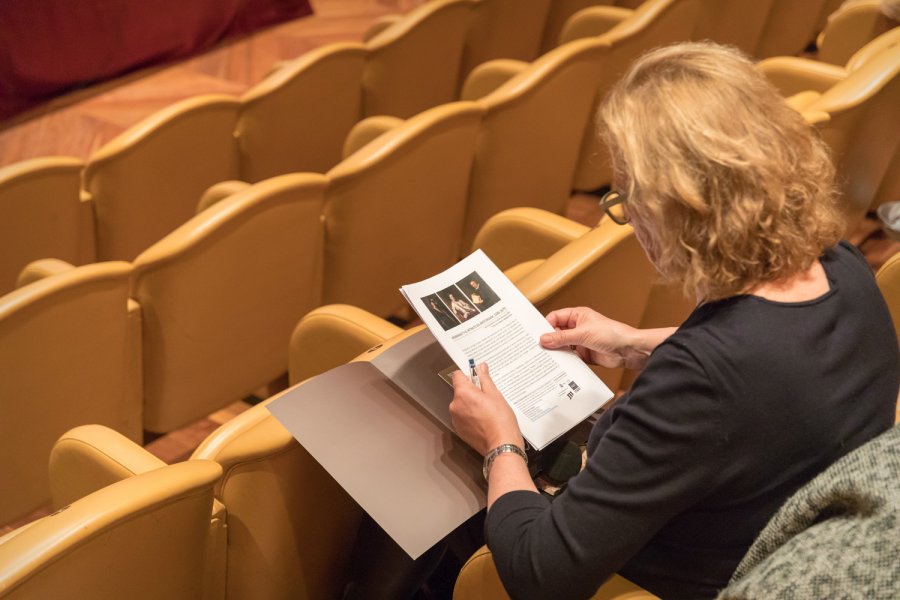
x=660 y=455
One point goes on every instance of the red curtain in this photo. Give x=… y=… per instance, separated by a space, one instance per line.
x=51 y=46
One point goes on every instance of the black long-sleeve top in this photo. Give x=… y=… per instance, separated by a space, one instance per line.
x=742 y=405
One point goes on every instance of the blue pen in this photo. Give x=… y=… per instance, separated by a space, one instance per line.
x=473 y=374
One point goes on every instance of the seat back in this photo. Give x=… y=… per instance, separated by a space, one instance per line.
x=68 y=356
x=291 y=527
x=605 y=269
x=740 y=23
x=851 y=27
x=479 y=579
x=415 y=63
x=528 y=144
x=654 y=23
x=395 y=208
x=862 y=132
x=790 y=27
x=504 y=29
x=296 y=119
x=147 y=181
x=142 y=538
x=221 y=295
x=557 y=15
x=42 y=216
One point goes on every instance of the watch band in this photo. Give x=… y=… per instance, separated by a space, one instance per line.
x=490 y=456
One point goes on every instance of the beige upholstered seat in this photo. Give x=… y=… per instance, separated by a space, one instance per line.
x=529 y=141
x=147 y=181
x=332 y=335
x=559 y=13
x=504 y=29
x=143 y=538
x=296 y=119
x=221 y=294
x=740 y=23
x=395 y=208
x=849 y=28
x=290 y=527
x=862 y=132
x=793 y=75
x=790 y=27
x=42 y=216
x=654 y=23
x=414 y=64
x=479 y=579
x=69 y=354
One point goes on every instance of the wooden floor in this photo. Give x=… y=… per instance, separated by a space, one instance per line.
x=79 y=123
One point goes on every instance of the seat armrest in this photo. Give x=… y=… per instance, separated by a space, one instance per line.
x=379 y=25
x=219 y=191
x=367 y=130
x=332 y=335
x=91 y=457
x=568 y=262
x=517 y=235
x=791 y=74
x=800 y=102
x=593 y=21
x=883 y=42
x=488 y=76
x=39 y=269
x=519 y=271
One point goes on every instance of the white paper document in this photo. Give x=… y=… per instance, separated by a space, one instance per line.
x=476 y=312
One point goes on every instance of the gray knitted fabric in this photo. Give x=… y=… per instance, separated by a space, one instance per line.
x=837 y=537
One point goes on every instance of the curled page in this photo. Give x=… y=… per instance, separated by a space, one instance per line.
x=475 y=312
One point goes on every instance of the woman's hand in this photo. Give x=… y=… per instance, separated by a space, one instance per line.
x=600 y=340
x=481 y=417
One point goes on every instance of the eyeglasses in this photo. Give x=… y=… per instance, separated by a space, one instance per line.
x=613 y=203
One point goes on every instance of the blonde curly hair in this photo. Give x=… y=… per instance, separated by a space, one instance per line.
x=727 y=187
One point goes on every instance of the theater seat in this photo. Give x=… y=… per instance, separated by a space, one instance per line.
x=43 y=216
x=395 y=208
x=290 y=527
x=479 y=580
x=415 y=62
x=147 y=181
x=528 y=143
x=862 y=133
x=69 y=354
x=790 y=27
x=221 y=294
x=793 y=74
x=296 y=119
x=504 y=29
x=141 y=538
x=629 y=34
x=332 y=335
x=851 y=27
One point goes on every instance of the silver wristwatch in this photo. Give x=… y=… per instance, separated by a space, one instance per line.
x=490 y=456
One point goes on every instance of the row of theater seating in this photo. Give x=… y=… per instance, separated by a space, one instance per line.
x=254 y=449
x=203 y=316
x=250 y=515
x=146 y=182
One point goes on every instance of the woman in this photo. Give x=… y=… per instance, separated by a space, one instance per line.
x=788 y=362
